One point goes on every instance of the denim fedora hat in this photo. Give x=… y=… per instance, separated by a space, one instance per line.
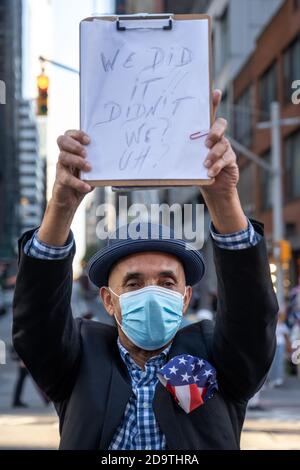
x=144 y=237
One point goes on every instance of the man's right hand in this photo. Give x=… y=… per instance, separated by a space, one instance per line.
x=69 y=189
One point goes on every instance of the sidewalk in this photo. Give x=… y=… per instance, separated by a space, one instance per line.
x=36 y=427
x=277 y=426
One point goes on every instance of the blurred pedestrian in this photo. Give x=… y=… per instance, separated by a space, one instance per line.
x=209 y=312
x=295 y=340
x=79 y=303
x=213 y=299
x=204 y=314
x=255 y=404
x=19 y=386
x=85 y=301
x=18 y=391
x=277 y=372
x=295 y=303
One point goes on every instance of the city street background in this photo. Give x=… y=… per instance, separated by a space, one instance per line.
x=256 y=64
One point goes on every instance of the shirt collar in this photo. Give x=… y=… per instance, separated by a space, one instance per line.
x=156 y=360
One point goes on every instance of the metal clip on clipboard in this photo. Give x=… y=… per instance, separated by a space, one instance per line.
x=144 y=16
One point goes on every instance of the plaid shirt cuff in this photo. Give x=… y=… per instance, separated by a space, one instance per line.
x=233 y=241
x=38 y=249
x=237 y=240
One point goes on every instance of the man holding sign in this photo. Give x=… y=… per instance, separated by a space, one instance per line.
x=144 y=384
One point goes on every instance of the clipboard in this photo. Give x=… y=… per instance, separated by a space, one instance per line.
x=124 y=24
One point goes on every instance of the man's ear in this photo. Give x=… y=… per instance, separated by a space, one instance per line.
x=187 y=298
x=106 y=297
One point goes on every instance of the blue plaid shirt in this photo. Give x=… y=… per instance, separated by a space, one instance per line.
x=139 y=429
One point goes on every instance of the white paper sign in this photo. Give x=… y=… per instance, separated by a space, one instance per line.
x=144 y=92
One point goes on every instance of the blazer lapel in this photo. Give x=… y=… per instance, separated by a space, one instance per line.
x=164 y=410
x=118 y=395
x=167 y=412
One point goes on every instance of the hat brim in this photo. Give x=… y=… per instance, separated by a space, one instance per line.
x=101 y=263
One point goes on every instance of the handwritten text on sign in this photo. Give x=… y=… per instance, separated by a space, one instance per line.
x=143 y=93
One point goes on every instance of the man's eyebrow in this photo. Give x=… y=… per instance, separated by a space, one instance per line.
x=168 y=274
x=131 y=275
x=138 y=275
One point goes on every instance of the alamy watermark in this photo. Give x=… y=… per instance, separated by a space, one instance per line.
x=296 y=93
x=186 y=222
x=2 y=352
x=2 y=92
x=296 y=352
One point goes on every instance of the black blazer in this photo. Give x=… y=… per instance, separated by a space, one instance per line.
x=78 y=365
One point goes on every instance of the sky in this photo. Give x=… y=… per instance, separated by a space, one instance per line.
x=51 y=28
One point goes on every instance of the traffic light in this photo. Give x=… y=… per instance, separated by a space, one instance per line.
x=42 y=99
x=285 y=251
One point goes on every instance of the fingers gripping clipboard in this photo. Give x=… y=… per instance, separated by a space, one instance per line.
x=145 y=93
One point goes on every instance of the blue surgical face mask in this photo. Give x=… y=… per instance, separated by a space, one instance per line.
x=151 y=316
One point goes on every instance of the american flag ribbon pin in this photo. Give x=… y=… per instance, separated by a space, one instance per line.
x=190 y=380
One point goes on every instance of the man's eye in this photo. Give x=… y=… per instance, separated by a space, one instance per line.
x=169 y=283
x=132 y=284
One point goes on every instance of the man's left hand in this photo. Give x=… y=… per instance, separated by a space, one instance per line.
x=221 y=197
x=221 y=159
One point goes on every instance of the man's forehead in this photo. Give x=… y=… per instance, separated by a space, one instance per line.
x=148 y=261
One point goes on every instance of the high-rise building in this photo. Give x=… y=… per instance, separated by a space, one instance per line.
x=186 y=6
x=137 y=6
x=160 y=6
x=32 y=170
x=235 y=26
x=11 y=74
x=268 y=76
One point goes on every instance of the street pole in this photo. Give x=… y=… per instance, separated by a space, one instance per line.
x=58 y=64
x=277 y=198
x=277 y=193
